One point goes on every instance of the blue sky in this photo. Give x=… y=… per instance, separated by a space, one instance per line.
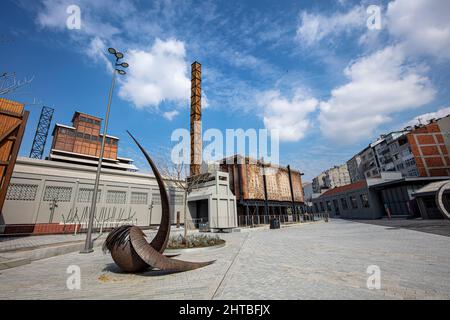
x=311 y=69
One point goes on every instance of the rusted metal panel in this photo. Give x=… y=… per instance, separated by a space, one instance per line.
x=13 y=120
x=251 y=182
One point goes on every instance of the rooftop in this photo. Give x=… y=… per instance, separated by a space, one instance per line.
x=349 y=187
x=430 y=189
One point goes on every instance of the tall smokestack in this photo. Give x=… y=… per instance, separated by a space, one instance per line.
x=196 y=118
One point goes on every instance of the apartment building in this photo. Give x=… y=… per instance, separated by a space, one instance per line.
x=420 y=151
x=430 y=149
x=364 y=165
x=332 y=178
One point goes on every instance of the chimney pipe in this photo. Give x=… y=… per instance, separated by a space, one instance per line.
x=196 y=118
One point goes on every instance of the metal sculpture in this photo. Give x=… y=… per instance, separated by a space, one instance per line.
x=131 y=251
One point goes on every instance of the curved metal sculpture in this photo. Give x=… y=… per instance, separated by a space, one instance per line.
x=440 y=199
x=131 y=251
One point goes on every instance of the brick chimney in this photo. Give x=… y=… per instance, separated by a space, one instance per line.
x=196 y=118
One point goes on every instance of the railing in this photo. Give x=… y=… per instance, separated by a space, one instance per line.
x=105 y=218
x=261 y=220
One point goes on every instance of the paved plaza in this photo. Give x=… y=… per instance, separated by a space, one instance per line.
x=310 y=261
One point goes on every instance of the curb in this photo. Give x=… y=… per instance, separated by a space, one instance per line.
x=283 y=226
x=44 y=253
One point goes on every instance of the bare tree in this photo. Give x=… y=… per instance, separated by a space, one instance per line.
x=10 y=84
x=179 y=175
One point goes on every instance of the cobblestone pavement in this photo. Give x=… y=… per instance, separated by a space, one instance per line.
x=311 y=261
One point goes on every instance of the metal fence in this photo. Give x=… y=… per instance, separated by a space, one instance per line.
x=261 y=220
x=76 y=221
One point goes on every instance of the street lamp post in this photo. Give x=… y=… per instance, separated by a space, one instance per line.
x=88 y=245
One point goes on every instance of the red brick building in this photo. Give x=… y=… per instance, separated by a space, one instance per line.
x=430 y=150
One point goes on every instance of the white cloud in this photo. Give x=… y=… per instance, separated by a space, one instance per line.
x=424 y=118
x=170 y=115
x=157 y=75
x=96 y=51
x=288 y=116
x=315 y=27
x=422 y=25
x=379 y=85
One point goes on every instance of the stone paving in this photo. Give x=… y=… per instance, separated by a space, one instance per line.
x=311 y=261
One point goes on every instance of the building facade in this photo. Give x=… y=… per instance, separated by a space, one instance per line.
x=353 y=201
x=81 y=144
x=363 y=165
x=429 y=149
x=263 y=189
x=420 y=151
x=426 y=200
x=354 y=169
x=319 y=184
x=394 y=154
x=387 y=196
x=337 y=176
x=52 y=197
x=332 y=178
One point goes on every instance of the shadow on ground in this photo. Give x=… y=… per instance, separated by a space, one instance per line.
x=113 y=268
x=438 y=227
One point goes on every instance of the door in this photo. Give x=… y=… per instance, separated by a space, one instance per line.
x=336 y=207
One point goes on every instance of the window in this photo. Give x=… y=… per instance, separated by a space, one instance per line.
x=365 y=201
x=322 y=208
x=354 y=202
x=139 y=198
x=62 y=194
x=156 y=198
x=85 y=195
x=344 y=204
x=22 y=192
x=116 y=197
x=316 y=208
x=177 y=199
